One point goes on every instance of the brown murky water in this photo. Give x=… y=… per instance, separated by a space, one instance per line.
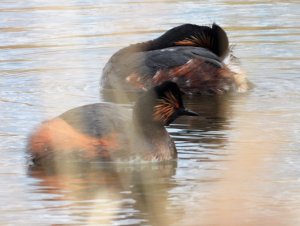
x=239 y=164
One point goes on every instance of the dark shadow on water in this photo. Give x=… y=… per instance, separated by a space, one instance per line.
x=214 y=112
x=204 y=138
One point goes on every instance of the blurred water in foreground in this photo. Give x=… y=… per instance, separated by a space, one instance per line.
x=238 y=165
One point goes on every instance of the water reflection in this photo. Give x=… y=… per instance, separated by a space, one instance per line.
x=51 y=57
x=103 y=193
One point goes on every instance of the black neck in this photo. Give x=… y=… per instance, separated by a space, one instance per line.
x=143 y=112
x=152 y=139
x=151 y=135
x=142 y=117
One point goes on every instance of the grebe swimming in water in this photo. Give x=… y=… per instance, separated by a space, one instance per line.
x=107 y=132
x=195 y=57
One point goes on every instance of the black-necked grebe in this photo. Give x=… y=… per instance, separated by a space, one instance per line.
x=196 y=57
x=107 y=132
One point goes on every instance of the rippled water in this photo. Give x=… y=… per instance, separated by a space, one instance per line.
x=238 y=164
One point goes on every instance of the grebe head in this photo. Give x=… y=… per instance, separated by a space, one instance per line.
x=213 y=38
x=161 y=105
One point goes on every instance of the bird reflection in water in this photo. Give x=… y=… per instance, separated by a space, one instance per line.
x=99 y=193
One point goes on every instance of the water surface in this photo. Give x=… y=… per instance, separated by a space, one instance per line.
x=238 y=164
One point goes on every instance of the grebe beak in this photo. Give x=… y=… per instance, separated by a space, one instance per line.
x=187 y=112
